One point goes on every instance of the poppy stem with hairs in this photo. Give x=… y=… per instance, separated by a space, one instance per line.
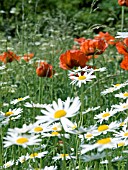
x=122 y=19
x=82 y=105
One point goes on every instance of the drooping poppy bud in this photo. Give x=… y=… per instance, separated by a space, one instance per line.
x=123 y=2
x=44 y=70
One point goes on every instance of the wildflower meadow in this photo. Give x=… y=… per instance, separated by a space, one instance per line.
x=64 y=85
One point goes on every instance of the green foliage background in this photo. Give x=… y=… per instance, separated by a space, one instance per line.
x=98 y=15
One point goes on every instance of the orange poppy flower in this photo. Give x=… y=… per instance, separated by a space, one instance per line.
x=8 y=57
x=73 y=58
x=44 y=70
x=79 y=40
x=123 y=2
x=107 y=37
x=122 y=47
x=93 y=46
x=124 y=63
x=28 y=57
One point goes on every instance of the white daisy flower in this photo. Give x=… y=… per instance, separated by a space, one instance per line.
x=105 y=115
x=55 y=134
x=56 y=127
x=118 y=86
x=93 y=156
x=106 y=143
x=118 y=158
x=2 y=67
x=12 y=112
x=3 y=83
x=123 y=123
x=5 y=104
x=24 y=129
x=8 y=164
x=104 y=162
x=60 y=112
x=87 y=147
x=63 y=156
x=106 y=128
x=45 y=168
x=19 y=100
x=73 y=129
x=114 y=88
x=109 y=90
x=50 y=168
x=39 y=128
x=22 y=159
x=122 y=143
x=37 y=155
x=33 y=105
x=81 y=78
x=8 y=119
x=91 y=109
x=79 y=69
x=123 y=134
x=121 y=106
x=122 y=95
x=24 y=140
x=88 y=136
x=100 y=69
x=122 y=35
x=89 y=129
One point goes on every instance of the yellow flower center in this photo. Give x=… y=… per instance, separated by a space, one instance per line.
x=54 y=128
x=59 y=114
x=74 y=127
x=126 y=134
x=125 y=94
x=104 y=141
x=125 y=106
x=33 y=155
x=64 y=155
x=7 y=164
x=117 y=85
x=55 y=133
x=89 y=135
x=103 y=128
x=8 y=113
x=81 y=77
x=122 y=124
x=105 y=115
x=38 y=129
x=22 y=140
x=22 y=160
x=19 y=99
x=121 y=144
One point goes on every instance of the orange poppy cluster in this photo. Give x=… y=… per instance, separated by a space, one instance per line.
x=87 y=48
x=9 y=56
x=122 y=48
x=78 y=56
x=123 y=2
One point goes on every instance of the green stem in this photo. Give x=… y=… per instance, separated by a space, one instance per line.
x=82 y=105
x=122 y=19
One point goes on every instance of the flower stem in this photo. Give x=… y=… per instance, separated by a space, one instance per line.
x=122 y=19
x=82 y=105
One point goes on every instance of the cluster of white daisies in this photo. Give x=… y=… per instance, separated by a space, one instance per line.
x=57 y=120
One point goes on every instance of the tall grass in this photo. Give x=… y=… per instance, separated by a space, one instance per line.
x=19 y=79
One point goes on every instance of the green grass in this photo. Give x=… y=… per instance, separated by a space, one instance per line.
x=21 y=80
